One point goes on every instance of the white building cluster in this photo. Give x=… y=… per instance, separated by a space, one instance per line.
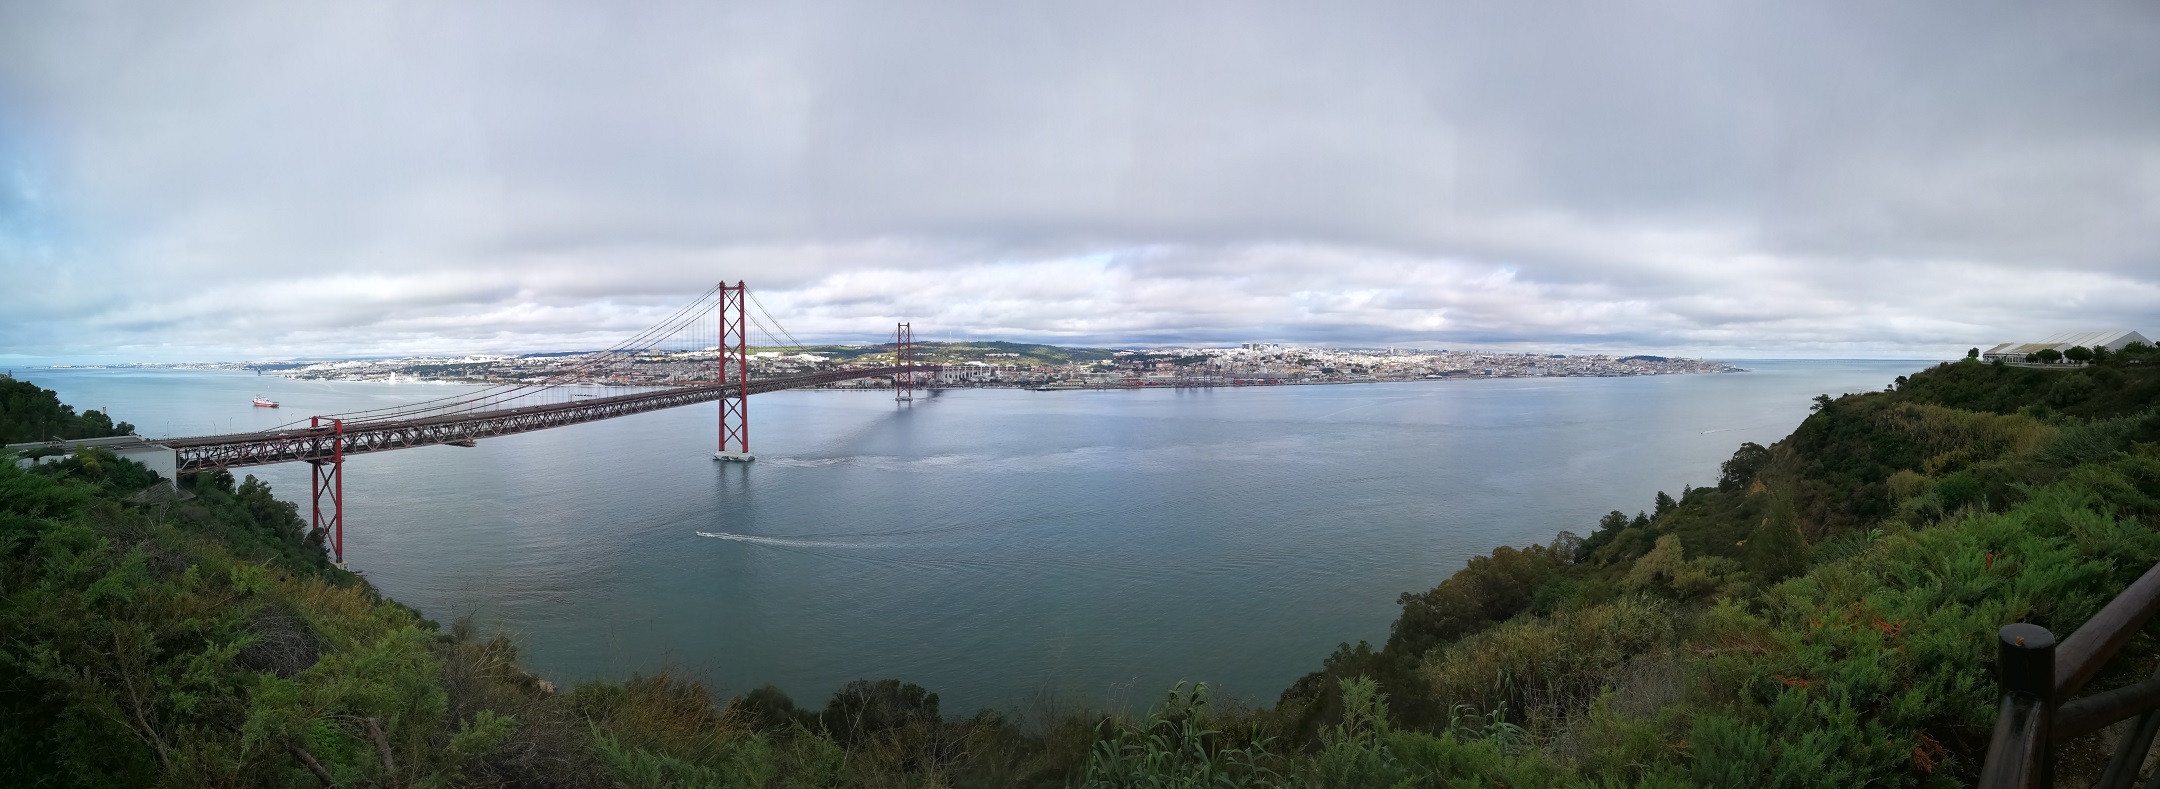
x=2109 y=339
x=1323 y=364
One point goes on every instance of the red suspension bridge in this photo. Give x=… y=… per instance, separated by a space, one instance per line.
x=699 y=354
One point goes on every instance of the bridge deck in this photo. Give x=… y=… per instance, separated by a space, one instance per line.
x=360 y=437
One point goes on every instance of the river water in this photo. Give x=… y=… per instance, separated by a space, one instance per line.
x=992 y=545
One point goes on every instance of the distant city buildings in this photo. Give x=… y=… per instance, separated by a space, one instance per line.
x=969 y=365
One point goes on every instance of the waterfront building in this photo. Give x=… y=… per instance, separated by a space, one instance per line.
x=2111 y=339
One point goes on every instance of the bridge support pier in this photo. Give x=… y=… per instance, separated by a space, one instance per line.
x=327 y=478
x=904 y=358
x=734 y=358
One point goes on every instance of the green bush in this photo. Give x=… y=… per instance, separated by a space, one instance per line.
x=29 y=412
x=1543 y=672
x=1175 y=747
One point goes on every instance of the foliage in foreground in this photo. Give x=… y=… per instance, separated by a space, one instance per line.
x=1820 y=617
x=29 y=412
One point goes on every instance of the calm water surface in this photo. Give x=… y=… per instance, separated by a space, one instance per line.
x=991 y=544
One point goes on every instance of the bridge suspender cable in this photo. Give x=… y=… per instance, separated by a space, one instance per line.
x=792 y=342
x=585 y=368
x=468 y=401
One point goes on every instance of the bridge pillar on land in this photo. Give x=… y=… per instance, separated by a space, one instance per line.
x=734 y=364
x=327 y=477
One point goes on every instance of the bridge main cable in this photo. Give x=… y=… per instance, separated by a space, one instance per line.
x=580 y=370
x=464 y=418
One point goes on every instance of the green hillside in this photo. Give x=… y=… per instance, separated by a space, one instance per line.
x=29 y=412
x=1823 y=616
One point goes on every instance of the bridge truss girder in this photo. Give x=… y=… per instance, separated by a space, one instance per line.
x=321 y=444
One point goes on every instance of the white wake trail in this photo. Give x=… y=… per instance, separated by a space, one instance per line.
x=785 y=542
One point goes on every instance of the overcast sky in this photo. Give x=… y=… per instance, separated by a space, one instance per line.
x=185 y=181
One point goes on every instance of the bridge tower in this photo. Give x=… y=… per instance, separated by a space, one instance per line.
x=328 y=478
x=904 y=358
x=734 y=359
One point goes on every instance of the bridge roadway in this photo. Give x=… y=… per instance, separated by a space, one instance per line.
x=203 y=453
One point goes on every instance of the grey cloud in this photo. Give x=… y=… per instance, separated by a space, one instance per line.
x=1662 y=174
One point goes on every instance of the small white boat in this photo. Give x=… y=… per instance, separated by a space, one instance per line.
x=265 y=403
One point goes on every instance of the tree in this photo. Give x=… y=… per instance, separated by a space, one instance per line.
x=1746 y=461
x=1660 y=566
x=1487 y=590
x=1972 y=353
x=1776 y=551
x=1822 y=401
x=29 y=412
x=768 y=709
x=2078 y=353
x=1665 y=504
x=2049 y=356
x=863 y=710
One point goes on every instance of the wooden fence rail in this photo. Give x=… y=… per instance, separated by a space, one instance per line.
x=2039 y=677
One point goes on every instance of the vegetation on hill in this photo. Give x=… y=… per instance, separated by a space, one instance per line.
x=29 y=412
x=1823 y=616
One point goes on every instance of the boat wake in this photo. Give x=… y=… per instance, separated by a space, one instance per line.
x=786 y=542
x=1730 y=429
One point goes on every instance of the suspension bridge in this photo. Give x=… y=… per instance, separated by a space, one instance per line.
x=698 y=354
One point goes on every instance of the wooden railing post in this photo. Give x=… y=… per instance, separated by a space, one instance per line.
x=2018 y=756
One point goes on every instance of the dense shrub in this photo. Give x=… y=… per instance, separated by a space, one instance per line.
x=29 y=412
x=1821 y=617
x=1489 y=589
x=1837 y=590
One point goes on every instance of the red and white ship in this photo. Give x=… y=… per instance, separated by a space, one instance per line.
x=265 y=403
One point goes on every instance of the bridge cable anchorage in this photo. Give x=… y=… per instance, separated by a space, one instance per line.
x=661 y=367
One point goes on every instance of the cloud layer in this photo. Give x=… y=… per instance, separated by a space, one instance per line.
x=259 y=179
